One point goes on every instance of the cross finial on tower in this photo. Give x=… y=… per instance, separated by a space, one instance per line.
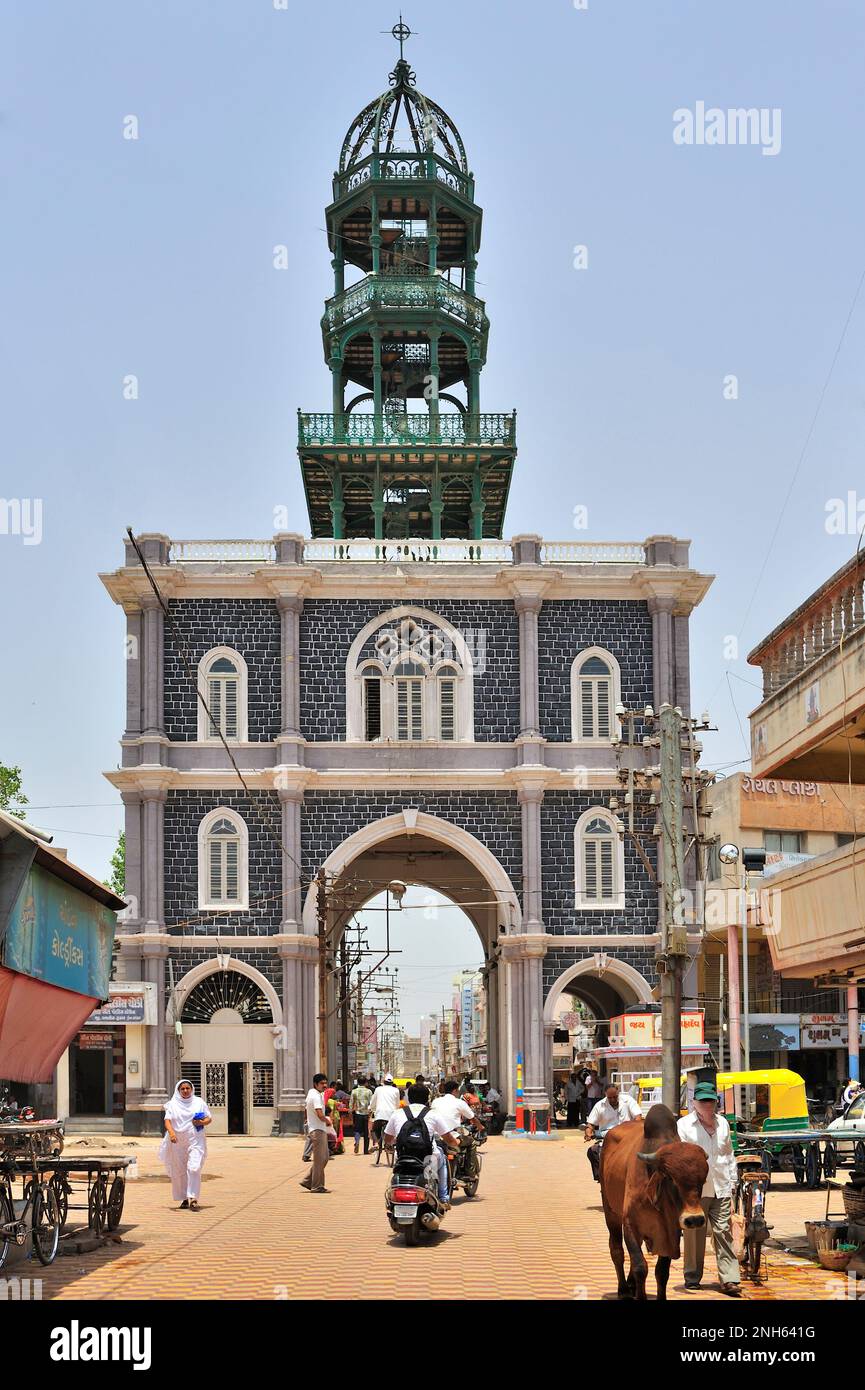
x=401 y=33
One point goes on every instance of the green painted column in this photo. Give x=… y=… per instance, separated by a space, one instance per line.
x=377 y=505
x=376 y=383
x=434 y=336
x=433 y=235
x=436 y=505
x=474 y=398
x=477 y=506
x=337 y=506
x=336 y=382
x=471 y=259
x=375 y=236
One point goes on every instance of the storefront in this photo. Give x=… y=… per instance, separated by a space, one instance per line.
x=103 y=1059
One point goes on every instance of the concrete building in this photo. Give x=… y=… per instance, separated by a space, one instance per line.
x=791 y=1021
x=809 y=728
x=405 y=693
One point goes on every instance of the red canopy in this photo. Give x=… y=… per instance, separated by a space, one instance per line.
x=37 y=1023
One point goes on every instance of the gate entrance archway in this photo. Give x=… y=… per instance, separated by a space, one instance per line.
x=427 y=851
x=606 y=989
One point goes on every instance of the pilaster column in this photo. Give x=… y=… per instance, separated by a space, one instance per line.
x=524 y=954
x=134 y=639
x=663 y=657
x=528 y=607
x=291 y=800
x=155 y=1088
x=132 y=802
x=295 y=1047
x=152 y=858
x=290 y=608
x=530 y=798
x=152 y=654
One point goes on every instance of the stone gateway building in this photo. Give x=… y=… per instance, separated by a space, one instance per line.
x=403 y=693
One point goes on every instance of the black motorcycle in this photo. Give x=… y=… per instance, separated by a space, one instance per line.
x=464 y=1166
x=412 y=1199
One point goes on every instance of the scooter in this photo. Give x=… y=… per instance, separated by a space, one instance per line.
x=412 y=1199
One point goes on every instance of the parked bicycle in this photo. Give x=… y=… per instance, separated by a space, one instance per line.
x=36 y=1214
x=749 y=1202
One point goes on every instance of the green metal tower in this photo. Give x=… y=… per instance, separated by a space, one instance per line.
x=405 y=325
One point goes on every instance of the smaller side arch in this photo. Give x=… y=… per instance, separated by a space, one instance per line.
x=620 y=970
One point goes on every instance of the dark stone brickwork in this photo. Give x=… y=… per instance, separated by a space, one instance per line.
x=184 y=812
x=251 y=626
x=266 y=962
x=565 y=628
x=329 y=626
x=560 y=812
x=642 y=958
x=494 y=818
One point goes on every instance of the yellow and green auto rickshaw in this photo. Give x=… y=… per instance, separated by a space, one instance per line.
x=786 y=1111
x=649 y=1093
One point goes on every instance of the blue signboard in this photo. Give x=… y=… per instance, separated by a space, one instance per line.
x=59 y=934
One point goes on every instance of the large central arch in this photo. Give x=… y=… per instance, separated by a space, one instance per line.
x=406 y=845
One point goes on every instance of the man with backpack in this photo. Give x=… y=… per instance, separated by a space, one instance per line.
x=413 y=1130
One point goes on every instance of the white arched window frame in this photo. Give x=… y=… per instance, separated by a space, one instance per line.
x=456 y=661
x=223 y=862
x=413 y=699
x=599 y=860
x=446 y=701
x=226 y=695
x=589 y=699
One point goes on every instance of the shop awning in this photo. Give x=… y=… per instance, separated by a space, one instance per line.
x=37 y=1023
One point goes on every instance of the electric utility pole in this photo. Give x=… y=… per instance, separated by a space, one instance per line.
x=673 y=953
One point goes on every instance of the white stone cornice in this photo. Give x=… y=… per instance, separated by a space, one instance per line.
x=683 y=589
x=525 y=945
x=359 y=779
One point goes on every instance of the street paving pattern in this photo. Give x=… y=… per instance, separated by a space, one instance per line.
x=535 y=1230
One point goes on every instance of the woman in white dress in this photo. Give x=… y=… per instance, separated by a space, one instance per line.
x=184 y=1148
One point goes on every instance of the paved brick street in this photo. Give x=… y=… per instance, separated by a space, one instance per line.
x=536 y=1230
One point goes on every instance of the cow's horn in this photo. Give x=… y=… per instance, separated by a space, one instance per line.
x=651 y=1159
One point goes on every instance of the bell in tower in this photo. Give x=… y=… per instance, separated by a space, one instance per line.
x=407 y=451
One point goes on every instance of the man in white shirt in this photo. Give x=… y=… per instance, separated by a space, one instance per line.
x=453 y=1109
x=385 y=1101
x=418 y=1102
x=316 y=1123
x=706 y=1127
x=612 y=1109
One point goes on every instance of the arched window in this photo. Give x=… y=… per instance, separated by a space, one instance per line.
x=595 y=692
x=223 y=852
x=409 y=678
x=599 y=858
x=222 y=680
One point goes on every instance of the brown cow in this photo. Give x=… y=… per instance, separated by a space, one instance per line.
x=651 y=1183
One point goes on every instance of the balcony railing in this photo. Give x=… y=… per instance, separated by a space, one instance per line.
x=365 y=550
x=405 y=168
x=834 y=612
x=411 y=428
x=405 y=292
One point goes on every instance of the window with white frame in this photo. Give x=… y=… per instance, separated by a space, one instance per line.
x=222 y=680
x=599 y=858
x=595 y=693
x=223 y=854
x=409 y=681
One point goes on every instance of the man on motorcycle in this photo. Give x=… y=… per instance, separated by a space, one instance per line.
x=613 y=1110
x=418 y=1105
x=454 y=1109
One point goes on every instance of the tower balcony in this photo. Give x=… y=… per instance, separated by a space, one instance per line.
x=397 y=294
x=411 y=429
x=409 y=168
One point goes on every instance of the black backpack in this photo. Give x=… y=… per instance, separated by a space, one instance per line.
x=414 y=1139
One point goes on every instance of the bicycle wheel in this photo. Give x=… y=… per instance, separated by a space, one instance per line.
x=61 y=1190
x=6 y=1215
x=753 y=1257
x=46 y=1224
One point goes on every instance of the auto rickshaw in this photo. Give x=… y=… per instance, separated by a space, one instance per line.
x=649 y=1093
x=787 y=1110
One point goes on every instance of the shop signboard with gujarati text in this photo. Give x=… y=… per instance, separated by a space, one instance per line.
x=88 y=1041
x=58 y=934
x=823 y=1030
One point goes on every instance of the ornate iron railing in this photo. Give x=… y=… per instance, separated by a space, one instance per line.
x=411 y=428
x=405 y=292
x=592 y=553
x=409 y=552
x=405 y=168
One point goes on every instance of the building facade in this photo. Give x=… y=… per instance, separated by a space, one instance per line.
x=402 y=693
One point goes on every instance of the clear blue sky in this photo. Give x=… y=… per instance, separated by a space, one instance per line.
x=154 y=257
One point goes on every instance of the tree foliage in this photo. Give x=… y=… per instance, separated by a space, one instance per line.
x=12 y=798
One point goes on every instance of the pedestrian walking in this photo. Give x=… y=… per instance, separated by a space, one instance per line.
x=360 y=1101
x=574 y=1091
x=706 y=1127
x=184 y=1147
x=317 y=1128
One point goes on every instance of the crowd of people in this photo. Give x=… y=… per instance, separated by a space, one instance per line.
x=374 y=1107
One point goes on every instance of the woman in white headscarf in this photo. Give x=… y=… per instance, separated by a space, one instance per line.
x=184 y=1148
